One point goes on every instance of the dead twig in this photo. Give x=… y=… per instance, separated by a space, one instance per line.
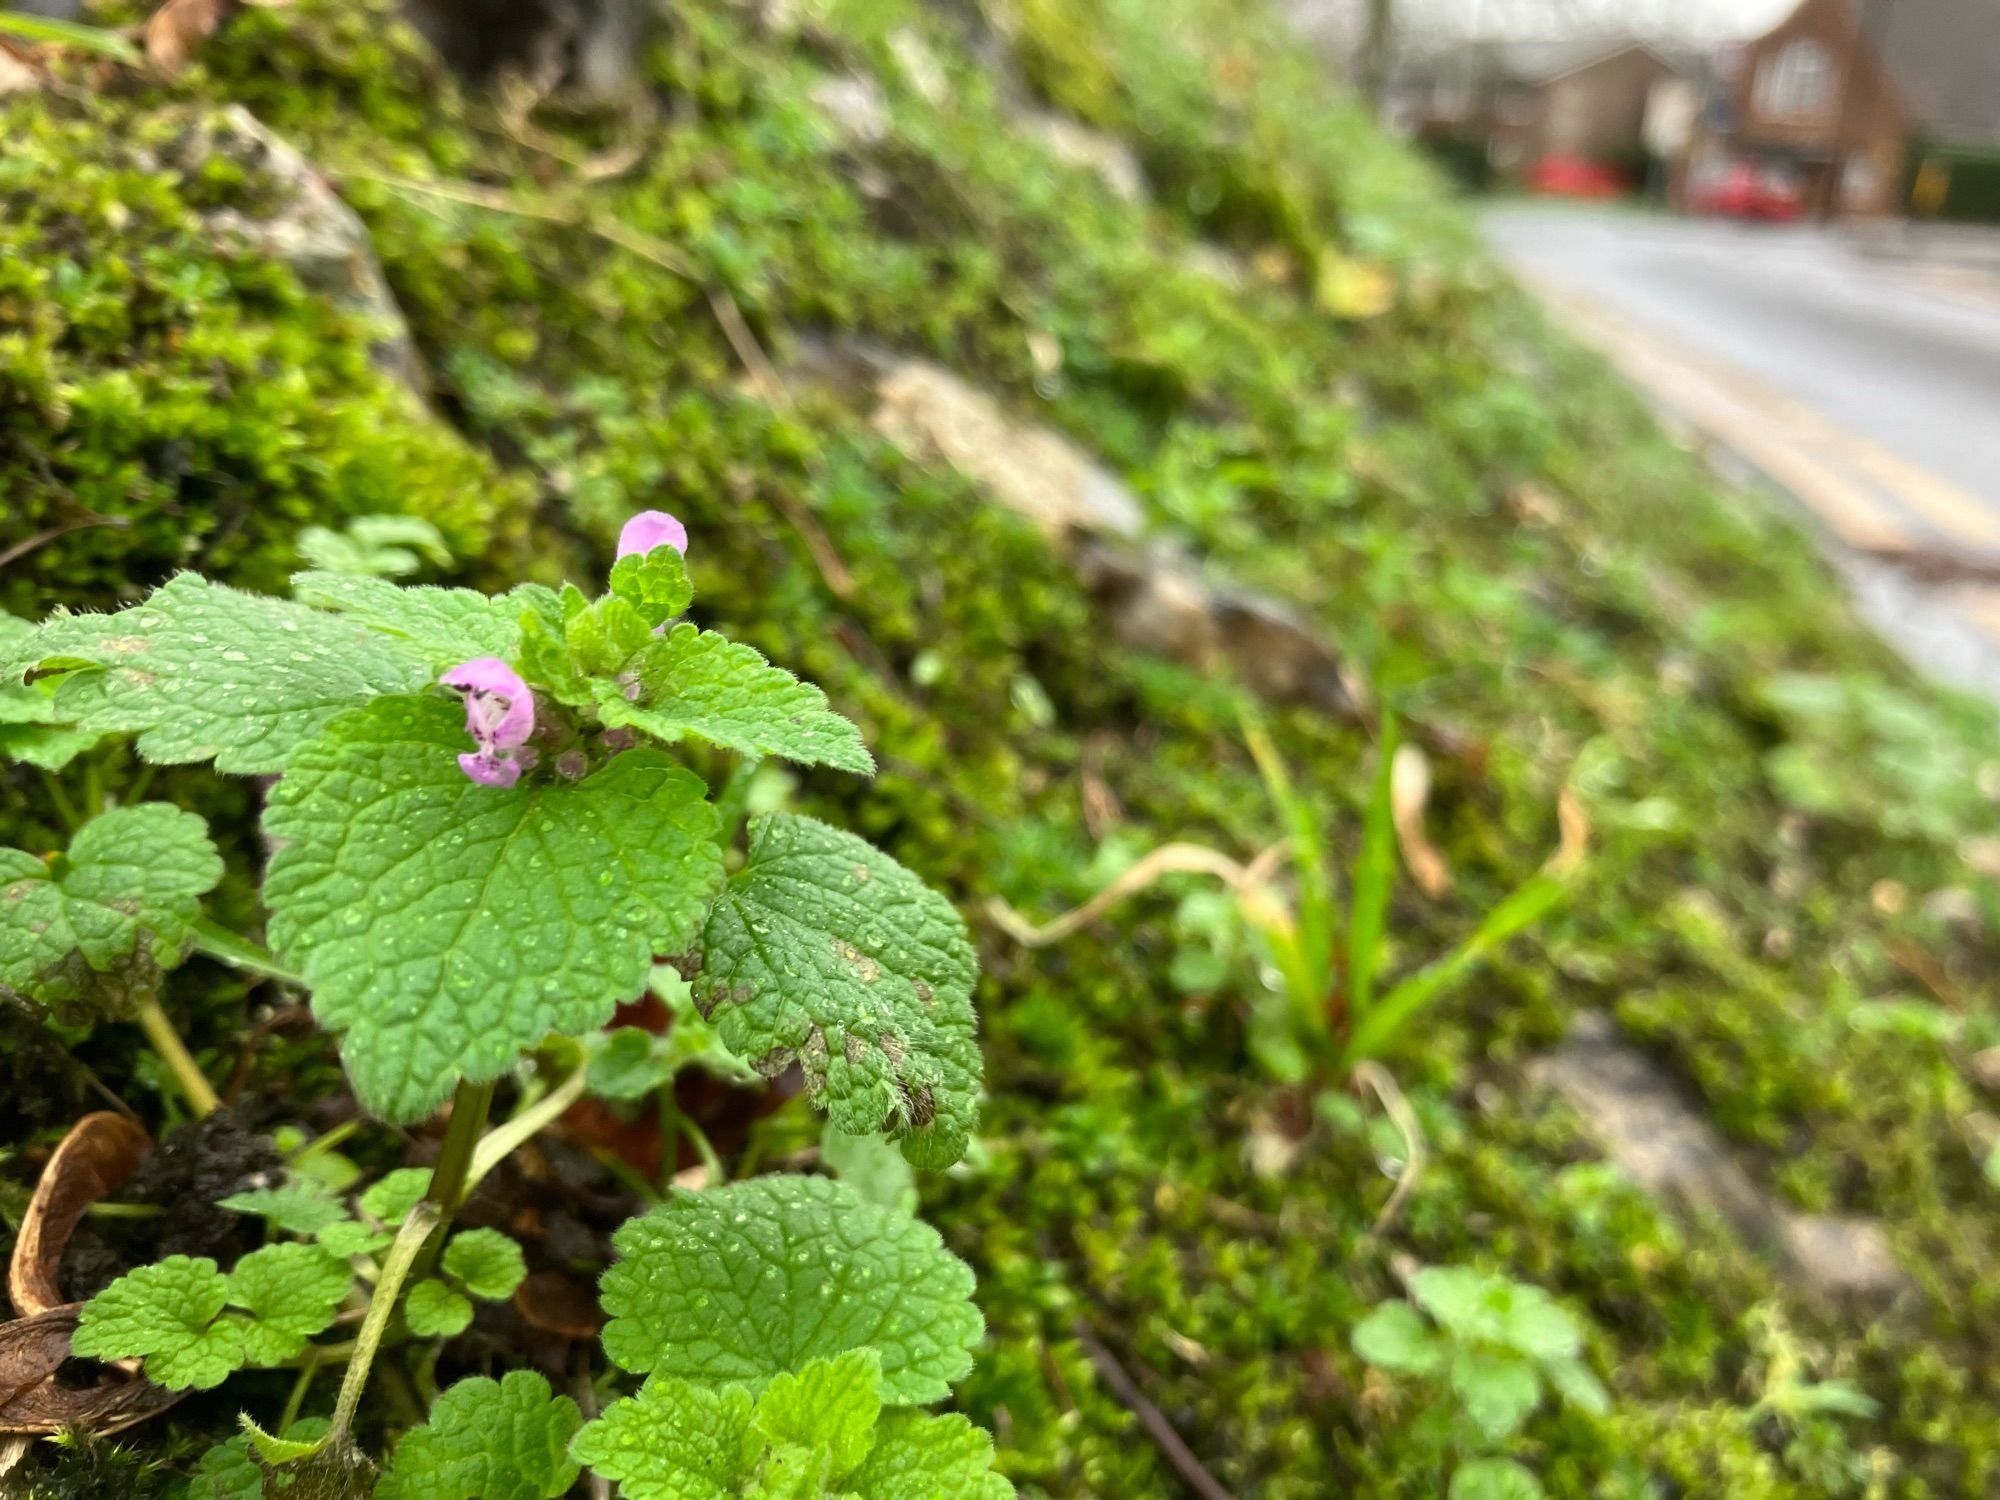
x=1415 y=1158
x=41 y=539
x=1193 y=1473
x=1168 y=859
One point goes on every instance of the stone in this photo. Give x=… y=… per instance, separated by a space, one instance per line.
x=1650 y=1130
x=856 y=108
x=317 y=235
x=1158 y=597
x=1114 y=162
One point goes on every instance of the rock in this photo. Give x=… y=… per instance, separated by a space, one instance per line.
x=1159 y=598
x=1649 y=1129
x=856 y=107
x=1110 y=158
x=317 y=235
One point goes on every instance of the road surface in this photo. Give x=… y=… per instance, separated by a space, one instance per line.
x=1869 y=389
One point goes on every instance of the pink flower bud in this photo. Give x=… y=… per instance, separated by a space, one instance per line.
x=650 y=529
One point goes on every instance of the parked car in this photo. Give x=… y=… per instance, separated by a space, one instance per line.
x=1761 y=191
x=1560 y=175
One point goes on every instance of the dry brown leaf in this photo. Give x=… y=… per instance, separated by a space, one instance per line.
x=16 y=76
x=35 y=1403
x=177 y=30
x=1573 y=834
x=1409 y=791
x=96 y=1158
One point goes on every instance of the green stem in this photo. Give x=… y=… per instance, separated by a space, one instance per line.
x=670 y=1136
x=93 y=786
x=705 y=1149
x=415 y=1234
x=470 y=1106
x=295 y=1403
x=201 y=1097
x=218 y=942
x=504 y=1140
x=59 y=799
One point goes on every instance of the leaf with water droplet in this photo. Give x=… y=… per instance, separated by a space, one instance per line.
x=439 y=982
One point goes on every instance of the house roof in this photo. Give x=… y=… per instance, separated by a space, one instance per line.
x=1945 y=58
x=1544 y=61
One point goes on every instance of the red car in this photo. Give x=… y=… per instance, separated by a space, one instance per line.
x=1747 y=190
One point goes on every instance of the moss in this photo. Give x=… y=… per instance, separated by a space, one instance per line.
x=1483 y=522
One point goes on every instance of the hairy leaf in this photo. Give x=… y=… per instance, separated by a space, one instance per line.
x=291 y=1292
x=133 y=876
x=444 y=926
x=654 y=583
x=918 y=1456
x=447 y=625
x=504 y=1439
x=391 y=1199
x=486 y=1263
x=747 y=1281
x=675 y=1440
x=696 y=682
x=201 y=671
x=165 y=1313
x=32 y=729
x=824 y=950
x=301 y=1206
x=434 y=1311
x=1394 y=1337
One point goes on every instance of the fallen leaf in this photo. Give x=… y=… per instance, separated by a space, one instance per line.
x=1409 y=792
x=34 y=1403
x=96 y=1158
x=554 y=1303
x=16 y=77
x=177 y=30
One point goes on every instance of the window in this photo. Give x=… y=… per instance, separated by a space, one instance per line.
x=1796 y=82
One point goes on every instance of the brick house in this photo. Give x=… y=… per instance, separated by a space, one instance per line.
x=1838 y=89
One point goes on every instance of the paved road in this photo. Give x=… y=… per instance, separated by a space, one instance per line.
x=1899 y=365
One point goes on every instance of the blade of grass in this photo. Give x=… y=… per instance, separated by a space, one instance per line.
x=1374 y=878
x=1316 y=913
x=96 y=39
x=1395 y=1009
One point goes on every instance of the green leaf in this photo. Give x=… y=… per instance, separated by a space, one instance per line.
x=165 y=1313
x=1494 y=1479
x=446 y=927
x=546 y=663
x=1497 y=1390
x=348 y=1238
x=433 y=1310
x=675 y=1440
x=300 y=1206
x=99 y=39
x=133 y=875
x=227 y=1472
x=1473 y=1305
x=1536 y=1325
x=390 y=1200
x=872 y=1166
x=918 y=1456
x=1395 y=1337
x=447 y=626
x=831 y=1404
x=201 y=671
x=1577 y=1387
x=31 y=729
x=824 y=951
x=291 y=1292
x=628 y=1063
x=486 y=1263
x=488 y=1440
x=654 y=583
x=1374 y=875
x=606 y=635
x=696 y=682
x=747 y=1281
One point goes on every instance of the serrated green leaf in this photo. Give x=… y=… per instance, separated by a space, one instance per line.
x=486 y=1263
x=628 y=1063
x=545 y=660
x=824 y=950
x=872 y=1166
x=504 y=1439
x=675 y=1440
x=918 y=1456
x=1494 y=1479
x=390 y=1200
x=1497 y=1391
x=692 y=681
x=300 y=1206
x=348 y=1238
x=291 y=1292
x=133 y=876
x=1394 y=1337
x=1577 y=1387
x=446 y=927
x=654 y=583
x=201 y=671
x=167 y=1314
x=227 y=1472
x=290 y=1447
x=831 y=1405
x=31 y=729
x=448 y=626
x=1538 y=1326
x=605 y=635
x=433 y=1310
x=747 y=1281
x=1470 y=1303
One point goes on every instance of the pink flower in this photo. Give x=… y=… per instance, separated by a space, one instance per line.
x=499 y=715
x=650 y=529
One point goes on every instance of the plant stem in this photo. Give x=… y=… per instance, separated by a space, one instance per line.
x=59 y=800
x=470 y=1106
x=218 y=942
x=201 y=1097
x=416 y=1232
x=705 y=1149
x=297 y=1400
x=506 y=1139
x=670 y=1136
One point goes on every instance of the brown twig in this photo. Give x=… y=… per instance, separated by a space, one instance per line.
x=1172 y=1448
x=42 y=538
x=1397 y=1108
